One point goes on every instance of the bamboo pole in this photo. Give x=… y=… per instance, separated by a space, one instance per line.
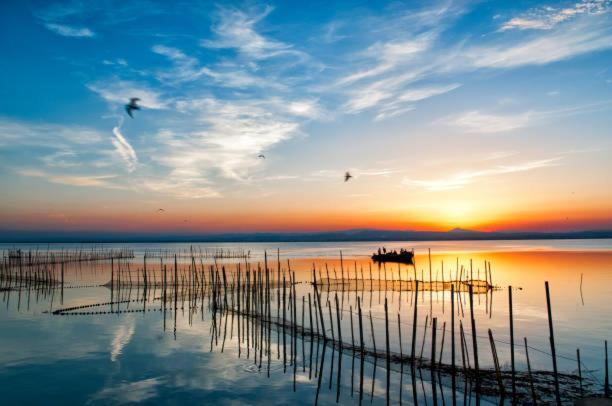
x=606 y=379
x=474 y=344
x=414 y=322
x=552 y=345
x=579 y=371
x=534 y=398
x=496 y=365
x=512 y=366
x=388 y=350
x=453 y=377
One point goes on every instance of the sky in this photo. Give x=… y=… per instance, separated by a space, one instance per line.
x=475 y=114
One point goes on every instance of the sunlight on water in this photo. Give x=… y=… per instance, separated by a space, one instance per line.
x=126 y=344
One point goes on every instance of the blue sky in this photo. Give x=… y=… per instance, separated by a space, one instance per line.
x=501 y=106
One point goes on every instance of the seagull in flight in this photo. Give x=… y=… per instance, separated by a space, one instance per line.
x=161 y=210
x=261 y=156
x=132 y=105
x=347 y=176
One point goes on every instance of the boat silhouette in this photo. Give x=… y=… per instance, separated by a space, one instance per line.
x=402 y=257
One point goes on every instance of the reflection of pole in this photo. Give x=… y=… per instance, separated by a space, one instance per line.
x=176 y=294
x=62 y=296
x=581 y=297
x=112 y=282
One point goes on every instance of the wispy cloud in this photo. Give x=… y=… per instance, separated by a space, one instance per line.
x=72 y=180
x=124 y=149
x=221 y=143
x=388 y=55
x=387 y=71
x=398 y=69
x=14 y=132
x=464 y=178
x=235 y=29
x=483 y=123
x=403 y=102
x=206 y=137
x=187 y=68
x=68 y=31
x=476 y=121
x=579 y=38
x=69 y=155
x=236 y=133
x=493 y=156
x=545 y=18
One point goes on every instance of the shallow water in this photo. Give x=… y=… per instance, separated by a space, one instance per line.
x=156 y=357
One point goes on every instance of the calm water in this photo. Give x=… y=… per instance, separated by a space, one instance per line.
x=152 y=357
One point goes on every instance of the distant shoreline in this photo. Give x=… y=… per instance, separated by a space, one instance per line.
x=362 y=235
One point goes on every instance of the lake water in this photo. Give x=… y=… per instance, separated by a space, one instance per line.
x=132 y=351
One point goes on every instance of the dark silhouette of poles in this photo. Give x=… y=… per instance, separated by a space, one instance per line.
x=432 y=368
x=534 y=398
x=552 y=345
x=414 y=322
x=474 y=344
x=361 y=345
x=512 y=343
x=606 y=379
x=318 y=300
x=496 y=364
x=579 y=370
x=453 y=378
x=388 y=350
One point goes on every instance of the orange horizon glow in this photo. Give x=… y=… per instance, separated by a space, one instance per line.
x=297 y=222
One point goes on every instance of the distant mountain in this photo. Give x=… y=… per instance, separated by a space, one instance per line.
x=455 y=234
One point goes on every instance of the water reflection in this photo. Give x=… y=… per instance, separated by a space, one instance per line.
x=176 y=337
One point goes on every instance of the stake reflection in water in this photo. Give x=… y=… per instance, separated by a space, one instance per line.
x=228 y=293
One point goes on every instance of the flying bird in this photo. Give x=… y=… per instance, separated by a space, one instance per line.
x=161 y=210
x=347 y=176
x=261 y=156
x=132 y=105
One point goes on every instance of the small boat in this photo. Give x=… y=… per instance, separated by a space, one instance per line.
x=402 y=257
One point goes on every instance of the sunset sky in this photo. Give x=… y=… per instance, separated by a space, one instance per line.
x=482 y=115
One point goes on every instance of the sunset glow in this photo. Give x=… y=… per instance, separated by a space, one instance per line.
x=447 y=115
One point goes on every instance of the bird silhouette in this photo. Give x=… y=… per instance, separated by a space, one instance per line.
x=161 y=210
x=132 y=105
x=261 y=156
x=347 y=176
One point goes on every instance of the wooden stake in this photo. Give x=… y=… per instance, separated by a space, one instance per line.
x=414 y=321
x=474 y=343
x=388 y=350
x=579 y=370
x=496 y=364
x=534 y=398
x=552 y=345
x=511 y=342
x=453 y=377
